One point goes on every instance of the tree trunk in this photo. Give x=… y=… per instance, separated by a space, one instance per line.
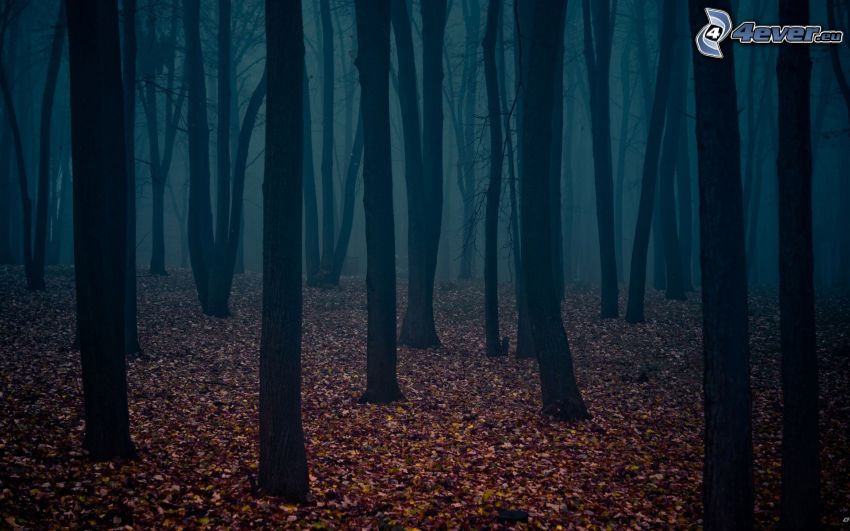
x=417 y=329
x=674 y=280
x=683 y=189
x=466 y=108
x=728 y=465
x=637 y=276
x=844 y=86
x=311 y=208
x=20 y=164
x=373 y=64
x=42 y=199
x=800 y=463
x=328 y=204
x=494 y=189
x=131 y=338
x=6 y=203
x=200 y=229
x=347 y=220
x=100 y=232
x=433 y=37
x=561 y=396
x=597 y=49
x=283 y=461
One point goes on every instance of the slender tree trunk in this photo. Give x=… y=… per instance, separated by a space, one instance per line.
x=637 y=276
x=555 y=170
x=311 y=208
x=328 y=204
x=131 y=338
x=433 y=37
x=100 y=196
x=42 y=200
x=472 y=21
x=625 y=76
x=597 y=49
x=6 y=193
x=200 y=231
x=417 y=329
x=373 y=63
x=494 y=189
x=283 y=460
x=349 y=192
x=728 y=465
x=20 y=164
x=683 y=190
x=844 y=87
x=674 y=280
x=561 y=396
x=800 y=462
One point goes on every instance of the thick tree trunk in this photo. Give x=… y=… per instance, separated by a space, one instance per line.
x=417 y=329
x=728 y=465
x=100 y=196
x=597 y=49
x=328 y=204
x=494 y=189
x=637 y=276
x=131 y=338
x=800 y=462
x=42 y=200
x=283 y=461
x=561 y=396
x=844 y=86
x=373 y=63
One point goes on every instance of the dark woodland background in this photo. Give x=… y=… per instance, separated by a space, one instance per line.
x=536 y=233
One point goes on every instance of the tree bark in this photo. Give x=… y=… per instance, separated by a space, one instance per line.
x=494 y=189
x=100 y=222
x=637 y=276
x=561 y=396
x=131 y=337
x=800 y=462
x=283 y=461
x=728 y=465
x=373 y=64
x=417 y=329
x=53 y=64
x=328 y=204
x=597 y=48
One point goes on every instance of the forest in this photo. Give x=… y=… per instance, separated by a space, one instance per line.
x=424 y=264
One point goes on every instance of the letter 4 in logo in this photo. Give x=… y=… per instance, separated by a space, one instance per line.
x=712 y=34
x=719 y=27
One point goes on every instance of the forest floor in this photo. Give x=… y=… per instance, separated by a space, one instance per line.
x=468 y=440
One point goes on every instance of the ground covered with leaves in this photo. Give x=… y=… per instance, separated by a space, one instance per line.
x=467 y=442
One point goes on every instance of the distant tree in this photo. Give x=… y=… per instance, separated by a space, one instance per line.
x=417 y=329
x=800 y=462
x=42 y=201
x=844 y=86
x=728 y=465
x=494 y=188
x=100 y=222
x=283 y=461
x=465 y=114
x=433 y=42
x=9 y=11
x=373 y=63
x=213 y=258
x=128 y=53
x=312 y=258
x=637 y=276
x=598 y=28
x=674 y=283
x=561 y=396
x=159 y=53
x=328 y=80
